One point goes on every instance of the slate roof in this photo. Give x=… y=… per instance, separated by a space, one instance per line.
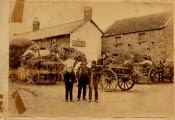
x=137 y=24
x=63 y=29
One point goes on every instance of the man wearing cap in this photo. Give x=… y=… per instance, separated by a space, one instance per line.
x=95 y=76
x=83 y=75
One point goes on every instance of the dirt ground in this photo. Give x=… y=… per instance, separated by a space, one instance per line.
x=143 y=100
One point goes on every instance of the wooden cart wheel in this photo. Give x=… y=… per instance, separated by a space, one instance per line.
x=153 y=76
x=108 y=80
x=33 y=76
x=52 y=79
x=126 y=83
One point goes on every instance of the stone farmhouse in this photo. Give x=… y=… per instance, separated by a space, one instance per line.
x=147 y=35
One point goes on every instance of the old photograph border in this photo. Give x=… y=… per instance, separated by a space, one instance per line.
x=4 y=38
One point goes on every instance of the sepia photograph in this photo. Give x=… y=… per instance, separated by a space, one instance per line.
x=95 y=59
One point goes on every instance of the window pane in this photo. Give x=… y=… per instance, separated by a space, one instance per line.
x=119 y=41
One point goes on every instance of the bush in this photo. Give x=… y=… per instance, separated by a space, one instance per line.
x=15 y=53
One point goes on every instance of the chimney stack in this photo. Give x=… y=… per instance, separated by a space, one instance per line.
x=36 y=24
x=87 y=13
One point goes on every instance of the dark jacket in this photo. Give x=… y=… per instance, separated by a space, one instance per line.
x=83 y=71
x=69 y=78
x=83 y=74
x=95 y=72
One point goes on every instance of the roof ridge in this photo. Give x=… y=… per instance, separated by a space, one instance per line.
x=168 y=20
x=62 y=24
x=137 y=18
x=53 y=26
x=92 y=21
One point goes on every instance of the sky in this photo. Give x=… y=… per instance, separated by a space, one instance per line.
x=52 y=13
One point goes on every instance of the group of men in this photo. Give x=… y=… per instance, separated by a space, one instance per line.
x=86 y=77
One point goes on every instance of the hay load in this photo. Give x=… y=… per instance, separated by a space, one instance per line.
x=39 y=63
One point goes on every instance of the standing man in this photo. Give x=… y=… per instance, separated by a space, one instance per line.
x=83 y=75
x=94 y=81
x=69 y=78
x=161 y=70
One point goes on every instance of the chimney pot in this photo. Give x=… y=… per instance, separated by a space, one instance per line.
x=87 y=13
x=36 y=24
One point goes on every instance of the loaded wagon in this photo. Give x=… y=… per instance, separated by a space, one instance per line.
x=45 y=71
x=38 y=71
x=38 y=65
x=155 y=72
x=160 y=73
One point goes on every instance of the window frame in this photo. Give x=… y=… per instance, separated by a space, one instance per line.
x=140 y=38
x=117 y=43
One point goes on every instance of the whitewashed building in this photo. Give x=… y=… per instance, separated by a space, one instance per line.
x=83 y=35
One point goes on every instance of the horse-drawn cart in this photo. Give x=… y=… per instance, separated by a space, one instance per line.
x=38 y=65
x=155 y=73
x=117 y=76
x=37 y=71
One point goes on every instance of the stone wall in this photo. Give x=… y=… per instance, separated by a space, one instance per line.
x=58 y=42
x=155 y=43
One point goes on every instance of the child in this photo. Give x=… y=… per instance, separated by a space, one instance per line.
x=69 y=78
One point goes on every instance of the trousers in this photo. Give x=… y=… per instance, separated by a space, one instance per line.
x=68 y=93
x=95 y=86
x=80 y=88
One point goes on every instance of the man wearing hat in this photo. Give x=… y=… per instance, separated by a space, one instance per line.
x=94 y=81
x=83 y=75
